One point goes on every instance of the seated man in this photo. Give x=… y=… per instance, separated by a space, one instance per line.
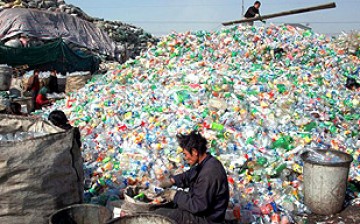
x=41 y=99
x=208 y=195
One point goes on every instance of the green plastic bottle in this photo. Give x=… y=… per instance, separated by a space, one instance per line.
x=280 y=168
x=217 y=127
x=262 y=161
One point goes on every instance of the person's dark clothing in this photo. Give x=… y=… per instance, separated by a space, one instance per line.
x=208 y=194
x=77 y=135
x=352 y=84
x=181 y=216
x=251 y=12
x=53 y=84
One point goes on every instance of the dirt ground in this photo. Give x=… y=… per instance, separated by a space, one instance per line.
x=348 y=216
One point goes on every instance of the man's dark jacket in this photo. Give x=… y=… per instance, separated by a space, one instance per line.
x=251 y=12
x=208 y=194
x=53 y=84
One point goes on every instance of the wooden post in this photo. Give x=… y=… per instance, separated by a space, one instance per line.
x=285 y=13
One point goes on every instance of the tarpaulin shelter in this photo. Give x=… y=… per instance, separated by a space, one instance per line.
x=45 y=25
x=53 y=55
x=49 y=25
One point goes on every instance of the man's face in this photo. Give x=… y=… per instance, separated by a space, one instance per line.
x=193 y=158
x=257 y=6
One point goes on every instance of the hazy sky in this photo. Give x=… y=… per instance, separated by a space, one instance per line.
x=160 y=17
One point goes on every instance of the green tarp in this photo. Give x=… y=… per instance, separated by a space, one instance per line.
x=54 y=55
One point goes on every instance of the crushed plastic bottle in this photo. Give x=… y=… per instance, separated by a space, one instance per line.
x=325 y=158
x=257 y=111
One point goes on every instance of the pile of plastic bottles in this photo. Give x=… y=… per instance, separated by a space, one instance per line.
x=349 y=42
x=324 y=158
x=260 y=96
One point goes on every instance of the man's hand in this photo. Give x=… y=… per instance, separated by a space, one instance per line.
x=167 y=183
x=169 y=194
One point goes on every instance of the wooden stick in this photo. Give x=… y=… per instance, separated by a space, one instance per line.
x=285 y=13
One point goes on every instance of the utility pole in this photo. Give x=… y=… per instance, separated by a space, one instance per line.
x=242 y=8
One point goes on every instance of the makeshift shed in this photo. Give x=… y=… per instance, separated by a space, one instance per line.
x=64 y=29
x=49 y=25
x=53 y=55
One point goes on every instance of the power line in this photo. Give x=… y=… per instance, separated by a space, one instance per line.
x=172 y=22
x=323 y=22
x=199 y=5
x=216 y=22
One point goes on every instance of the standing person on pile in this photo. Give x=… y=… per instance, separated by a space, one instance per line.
x=59 y=119
x=208 y=195
x=33 y=85
x=53 y=82
x=253 y=12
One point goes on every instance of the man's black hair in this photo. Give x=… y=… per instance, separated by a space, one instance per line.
x=257 y=2
x=59 y=119
x=194 y=140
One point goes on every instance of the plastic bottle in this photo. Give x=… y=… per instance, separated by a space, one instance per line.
x=218 y=83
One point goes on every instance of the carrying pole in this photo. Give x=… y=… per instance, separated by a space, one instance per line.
x=285 y=13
